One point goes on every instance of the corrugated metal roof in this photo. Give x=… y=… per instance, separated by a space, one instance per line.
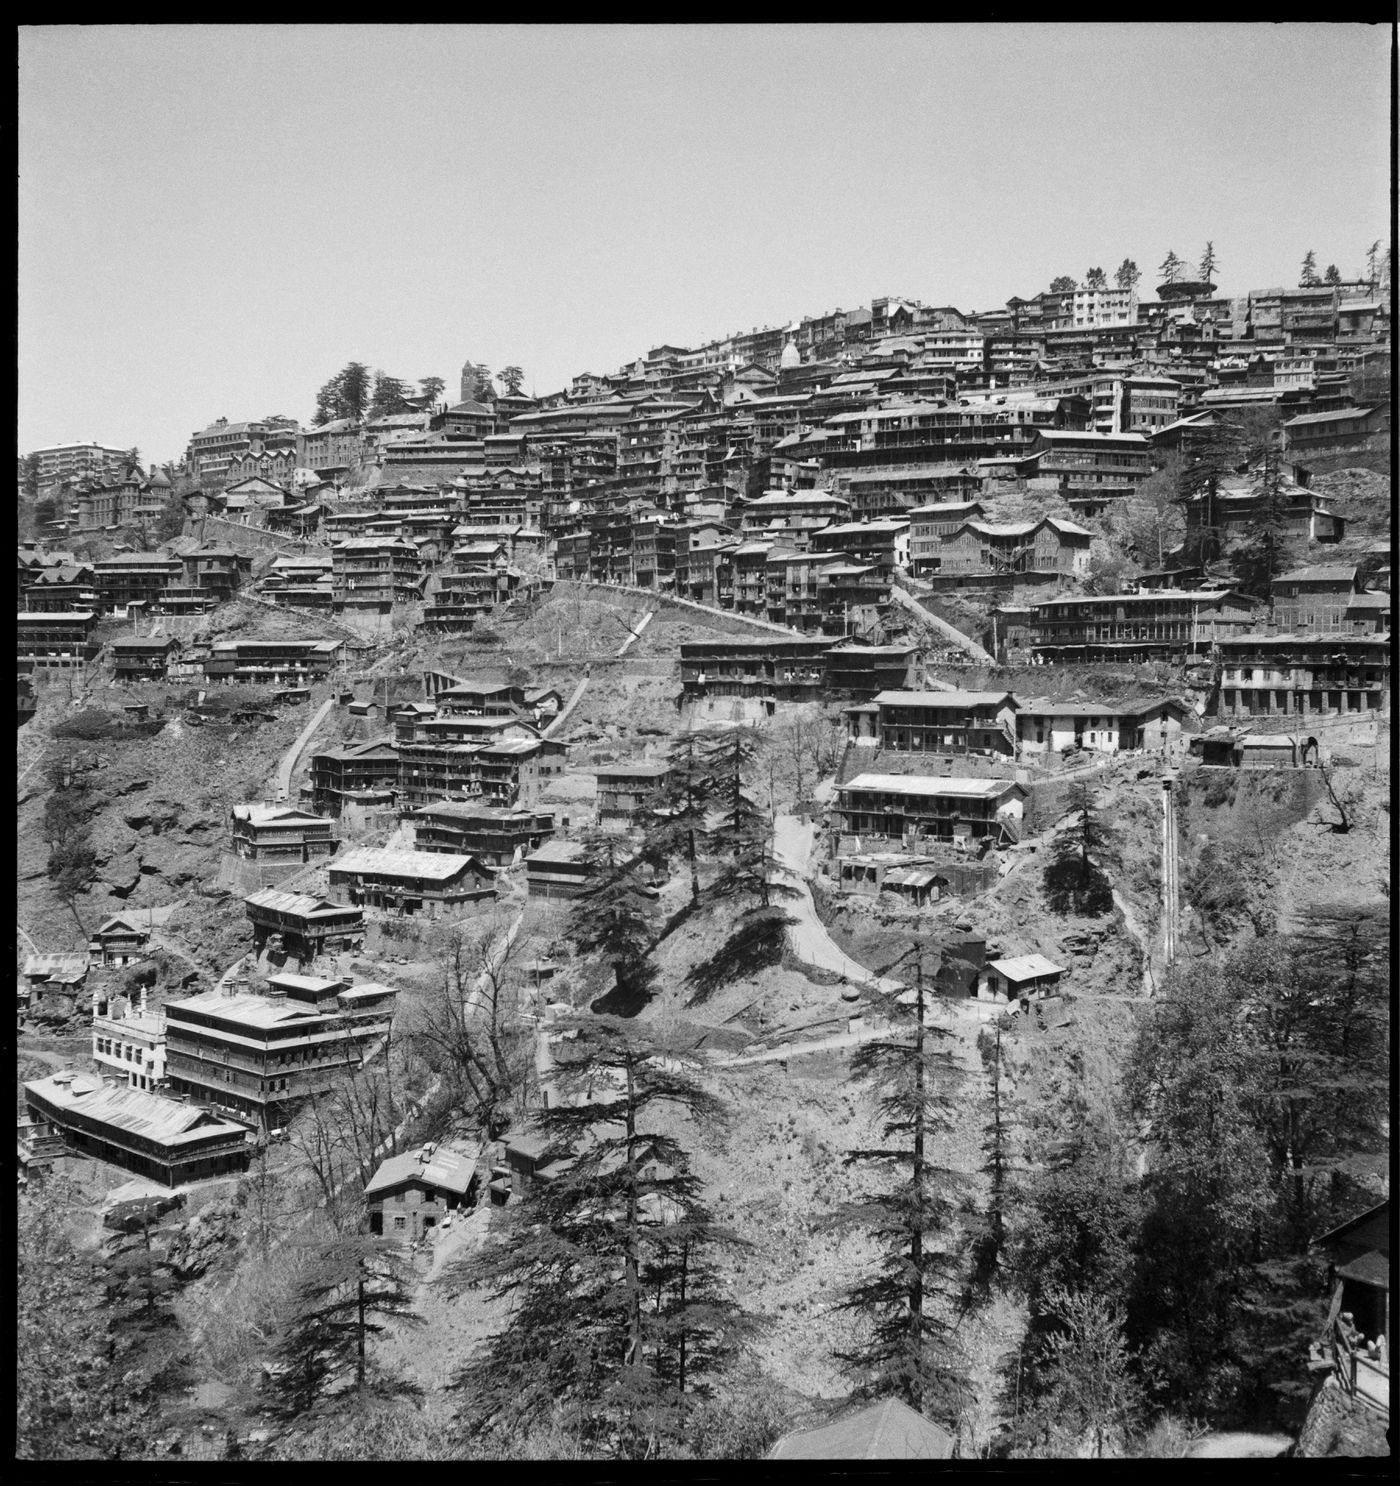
x=943 y=701
x=1026 y=967
x=437 y=866
x=924 y=784
x=125 y=1108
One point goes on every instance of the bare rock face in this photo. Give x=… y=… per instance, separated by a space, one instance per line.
x=201 y=1241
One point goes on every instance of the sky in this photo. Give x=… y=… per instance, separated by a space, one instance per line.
x=214 y=219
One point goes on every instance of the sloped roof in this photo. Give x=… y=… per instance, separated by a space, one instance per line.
x=166 y=1121
x=449 y=1171
x=1026 y=967
x=889 y=1430
x=933 y=786
x=438 y=866
x=944 y=700
x=303 y=904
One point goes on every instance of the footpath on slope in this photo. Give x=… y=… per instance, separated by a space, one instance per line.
x=293 y=754
x=954 y=636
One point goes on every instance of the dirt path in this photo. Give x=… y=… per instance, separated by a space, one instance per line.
x=792 y=843
x=954 y=636
x=290 y=759
x=1239 y=1447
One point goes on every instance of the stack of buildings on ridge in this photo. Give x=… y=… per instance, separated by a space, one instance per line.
x=892 y=509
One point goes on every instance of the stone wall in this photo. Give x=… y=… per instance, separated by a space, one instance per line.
x=1337 y=1425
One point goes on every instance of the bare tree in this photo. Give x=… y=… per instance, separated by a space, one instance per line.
x=469 y=1029
x=1344 y=800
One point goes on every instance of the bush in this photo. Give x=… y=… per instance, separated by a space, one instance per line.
x=91 y=725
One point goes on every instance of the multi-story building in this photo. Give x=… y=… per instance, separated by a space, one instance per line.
x=295 y=662
x=158 y=1138
x=1325 y=433
x=783 y=669
x=947 y=722
x=1303 y=675
x=279 y=834
x=218 y=571
x=1095 y=307
x=356 y=774
x=928 y=525
x=1103 y=727
x=915 y=436
x=791 y=516
x=1049 y=545
x=1136 y=627
x=628 y=792
x=334 y=446
x=302 y=926
x=135 y=577
x=260 y=1056
x=513 y=771
x=131 y=1044
x=213 y=450
x=1314 y=599
x=916 y=809
x=867 y=670
x=1087 y=468
x=558 y=869
x=883 y=545
x=59 y=463
x=374 y=573
x=53 y=590
x=302 y=582
x=498 y=837
x=55 y=642
x=143 y=660
x=1121 y=401
x=432 y=883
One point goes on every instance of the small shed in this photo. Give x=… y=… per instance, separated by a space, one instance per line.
x=1024 y=978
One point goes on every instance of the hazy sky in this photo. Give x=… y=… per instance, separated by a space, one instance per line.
x=214 y=219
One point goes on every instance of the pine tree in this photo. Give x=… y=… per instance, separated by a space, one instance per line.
x=685 y=801
x=1263 y=551
x=989 y=1243
x=389 y=392
x=1063 y=285
x=740 y=830
x=741 y=833
x=513 y=378
x=613 y=917
x=1213 y=459
x=1308 y=278
x=1127 y=276
x=616 y=1314
x=349 y=1284
x=909 y=1351
x=1208 y=265
x=30 y=474
x=1372 y=260
x=1332 y=274
x=1072 y=877
x=1096 y=278
x=431 y=387
x=1171 y=268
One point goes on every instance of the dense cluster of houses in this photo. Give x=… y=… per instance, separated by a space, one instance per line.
x=791 y=477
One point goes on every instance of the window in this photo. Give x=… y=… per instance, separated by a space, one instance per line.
x=400 y=1222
